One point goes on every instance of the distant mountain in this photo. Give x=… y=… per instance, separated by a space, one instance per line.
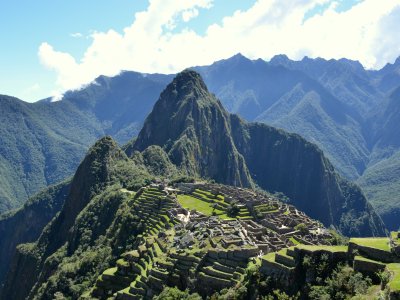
x=42 y=143
x=349 y=112
x=302 y=97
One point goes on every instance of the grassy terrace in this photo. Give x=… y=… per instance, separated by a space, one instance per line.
x=377 y=243
x=270 y=256
x=325 y=248
x=394 y=235
x=394 y=284
x=205 y=207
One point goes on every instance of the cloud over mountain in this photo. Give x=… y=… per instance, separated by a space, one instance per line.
x=155 y=43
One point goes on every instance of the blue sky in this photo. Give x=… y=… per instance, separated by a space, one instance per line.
x=48 y=47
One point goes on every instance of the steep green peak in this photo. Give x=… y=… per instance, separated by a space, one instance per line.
x=187 y=80
x=187 y=86
x=185 y=104
x=93 y=172
x=104 y=147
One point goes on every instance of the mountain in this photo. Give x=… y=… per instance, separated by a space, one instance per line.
x=387 y=78
x=381 y=181
x=94 y=184
x=202 y=139
x=337 y=104
x=193 y=128
x=43 y=142
x=310 y=97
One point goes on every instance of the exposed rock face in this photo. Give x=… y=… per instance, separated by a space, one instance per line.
x=203 y=139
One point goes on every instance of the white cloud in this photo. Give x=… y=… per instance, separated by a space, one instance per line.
x=76 y=35
x=366 y=32
x=189 y=14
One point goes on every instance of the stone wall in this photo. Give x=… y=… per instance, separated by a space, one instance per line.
x=373 y=253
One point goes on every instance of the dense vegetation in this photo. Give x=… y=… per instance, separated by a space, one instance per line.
x=96 y=213
x=26 y=224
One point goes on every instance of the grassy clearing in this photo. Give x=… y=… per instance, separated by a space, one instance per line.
x=269 y=257
x=394 y=284
x=294 y=241
x=395 y=236
x=377 y=243
x=204 y=207
x=323 y=248
x=190 y=202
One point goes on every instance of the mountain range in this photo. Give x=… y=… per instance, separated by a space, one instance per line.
x=349 y=112
x=92 y=218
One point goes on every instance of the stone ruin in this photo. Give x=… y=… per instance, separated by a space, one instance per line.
x=188 y=249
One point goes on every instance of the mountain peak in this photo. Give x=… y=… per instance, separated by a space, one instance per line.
x=238 y=58
x=188 y=79
x=193 y=128
x=280 y=58
x=187 y=87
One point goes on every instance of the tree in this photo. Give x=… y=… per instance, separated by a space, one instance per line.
x=384 y=276
x=302 y=228
x=173 y=293
x=233 y=210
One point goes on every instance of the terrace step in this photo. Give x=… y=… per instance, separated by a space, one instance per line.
x=285 y=260
x=216 y=273
x=220 y=267
x=127 y=295
x=214 y=281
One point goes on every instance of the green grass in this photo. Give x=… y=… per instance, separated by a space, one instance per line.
x=394 y=284
x=110 y=271
x=394 y=236
x=294 y=241
x=190 y=202
x=203 y=207
x=362 y=258
x=269 y=257
x=377 y=243
x=323 y=248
